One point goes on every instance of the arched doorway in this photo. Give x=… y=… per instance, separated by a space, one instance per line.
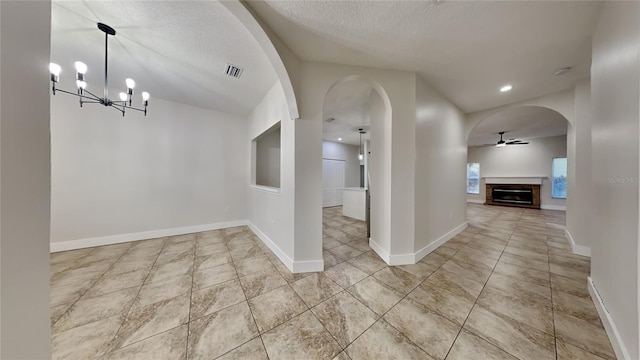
x=356 y=151
x=530 y=140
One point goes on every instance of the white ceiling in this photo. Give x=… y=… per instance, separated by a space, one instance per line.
x=175 y=50
x=466 y=49
x=522 y=123
x=348 y=104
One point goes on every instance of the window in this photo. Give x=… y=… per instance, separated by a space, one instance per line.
x=266 y=158
x=559 y=178
x=473 y=178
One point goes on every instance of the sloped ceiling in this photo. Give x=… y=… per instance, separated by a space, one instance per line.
x=175 y=50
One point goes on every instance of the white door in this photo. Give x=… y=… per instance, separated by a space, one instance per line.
x=332 y=182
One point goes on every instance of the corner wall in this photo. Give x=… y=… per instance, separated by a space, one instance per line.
x=440 y=170
x=24 y=180
x=271 y=211
x=615 y=96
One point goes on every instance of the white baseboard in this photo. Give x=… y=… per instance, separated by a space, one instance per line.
x=308 y=266
x=293 y=266
x=143 y=235
x=475 y=201
x=384 y=255
x=441 y=240
x=609 y=325
x=577 y=249
x=412 y=258
x=554 y=207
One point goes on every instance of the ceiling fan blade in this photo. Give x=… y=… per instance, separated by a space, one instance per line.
x=514 y=141
x=517 y=143
x=483 y=145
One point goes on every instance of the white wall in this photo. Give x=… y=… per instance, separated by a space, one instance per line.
x=348 y=153
x=579 y=191
x=533 y=159
x=615 y=96
x=268 y=158
x=440 y=169
x=24 y=180
x=379 y=162
x=180 y=166
x=271 y=213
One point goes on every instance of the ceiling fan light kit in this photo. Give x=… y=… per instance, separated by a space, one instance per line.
x=87 y=97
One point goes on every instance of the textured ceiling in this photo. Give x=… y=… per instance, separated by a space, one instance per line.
x=466 y=49
x=175 y=50
x=348 y=104
x=522 y=123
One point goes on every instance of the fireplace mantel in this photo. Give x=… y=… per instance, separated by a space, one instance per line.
x=525 y=180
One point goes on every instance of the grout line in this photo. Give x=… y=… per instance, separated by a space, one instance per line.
x=164 y=244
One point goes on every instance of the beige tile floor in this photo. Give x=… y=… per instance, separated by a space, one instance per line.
x=507 y=287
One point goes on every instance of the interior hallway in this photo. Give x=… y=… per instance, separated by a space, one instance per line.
x=507 y=287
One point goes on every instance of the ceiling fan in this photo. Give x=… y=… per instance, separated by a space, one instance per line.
x=502 y=142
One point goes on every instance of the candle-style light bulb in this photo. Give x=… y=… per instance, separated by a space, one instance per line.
x=130 y=83
x=81 y=84
x=123 y=96
x=145 y=96
x=81 y=67
x=54 y=69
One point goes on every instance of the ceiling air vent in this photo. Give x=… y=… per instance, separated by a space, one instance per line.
x=233 y=70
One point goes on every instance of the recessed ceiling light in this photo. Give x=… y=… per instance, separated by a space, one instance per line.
x=564 y=70
x=506 y=88
x=339 y=139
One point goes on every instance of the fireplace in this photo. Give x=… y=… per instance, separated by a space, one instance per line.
x=520 y=195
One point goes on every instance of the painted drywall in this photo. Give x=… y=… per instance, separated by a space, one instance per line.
x=615 y=96
x=348 y=153
x=533 y=159
x=579 y=168
x=268 y=158
x=271 y=213
x=440 y=166
x=24 y=180
x=379 y=161
x=179 y=166
x=316 y=79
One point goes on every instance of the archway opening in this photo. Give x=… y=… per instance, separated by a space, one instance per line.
x=520 y=157
x=355 y=153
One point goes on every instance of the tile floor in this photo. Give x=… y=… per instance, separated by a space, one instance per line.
x=507 y=287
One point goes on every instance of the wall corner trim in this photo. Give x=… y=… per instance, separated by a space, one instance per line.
x=412 y=258
x=384 y=255
x=293 y=266
x=143 y=235
x=286 y=260
x=577 y=249
x=609 y=326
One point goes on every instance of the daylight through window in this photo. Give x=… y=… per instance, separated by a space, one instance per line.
x=473 y=178
x=559 y=178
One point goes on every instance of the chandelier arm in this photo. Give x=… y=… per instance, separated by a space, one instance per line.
x=117 y=107
x=93 y=97
x=92 y=94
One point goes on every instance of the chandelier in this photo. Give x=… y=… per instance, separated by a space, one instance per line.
x=87 y=97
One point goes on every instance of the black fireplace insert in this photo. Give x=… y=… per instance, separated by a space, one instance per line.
x=512 y=196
